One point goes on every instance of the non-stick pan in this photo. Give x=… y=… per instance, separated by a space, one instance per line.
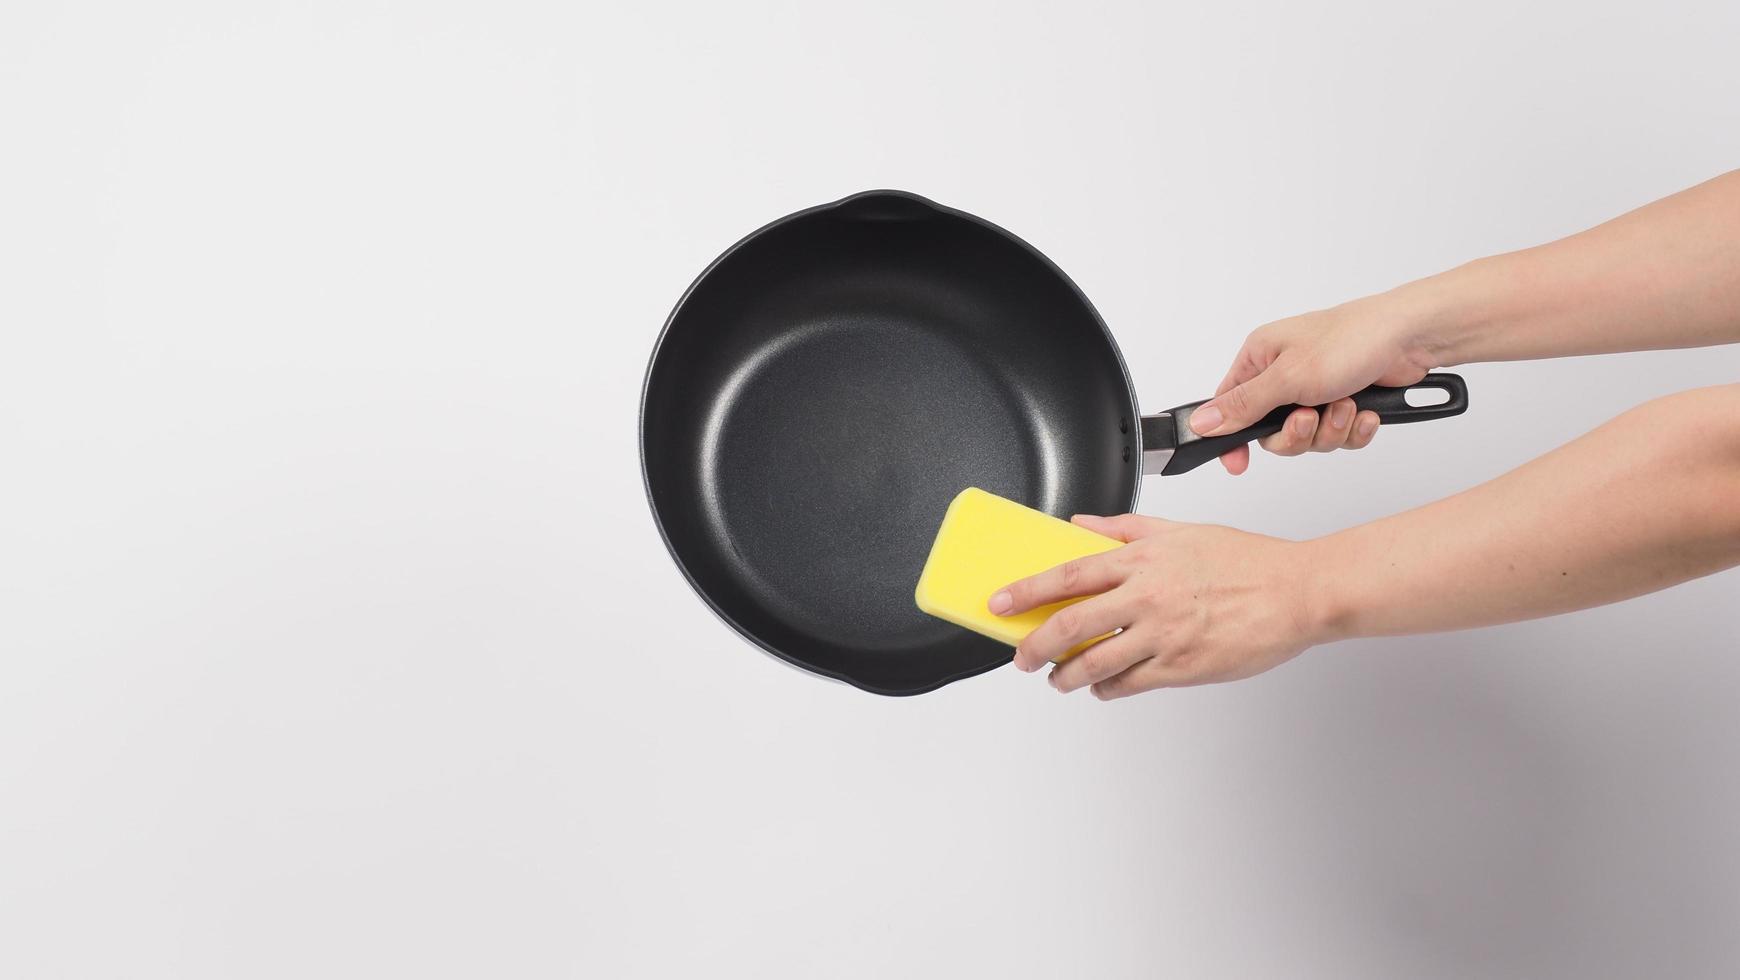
x=827 y=385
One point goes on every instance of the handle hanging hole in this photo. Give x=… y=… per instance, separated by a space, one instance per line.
x=1426 y=397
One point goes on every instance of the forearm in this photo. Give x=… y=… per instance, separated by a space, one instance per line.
x=1666 y=275
x=1646 y=501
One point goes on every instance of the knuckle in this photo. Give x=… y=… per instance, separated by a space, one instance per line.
x=1237 y=401
x=1154 y=674
x=1152 y=598
x=1070 y=573
x=1065 y=621
x=1094 y=663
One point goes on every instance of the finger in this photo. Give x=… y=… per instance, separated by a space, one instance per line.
x=1337 y=423
x=1401 y=375
x=1365 y=426
x=1243 y=404
x=1110 y=656
x=1237 y=461
x=1077 y=577
x=1295 y=435
x=1243 y=369
x=1072 y=626
x=1250 y=362
x=1145 y=675
x=1124 y=527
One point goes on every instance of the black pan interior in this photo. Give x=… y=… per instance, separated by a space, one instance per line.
x=828 y=386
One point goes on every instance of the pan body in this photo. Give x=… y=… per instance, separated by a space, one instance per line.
x=830 y=383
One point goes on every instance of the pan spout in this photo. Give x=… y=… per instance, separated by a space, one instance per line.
x=886 y=205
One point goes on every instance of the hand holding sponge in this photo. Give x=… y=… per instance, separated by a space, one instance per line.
x=985 y=543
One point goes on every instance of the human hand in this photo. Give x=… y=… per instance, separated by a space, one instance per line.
x=1195 y=603
x=1316 y=359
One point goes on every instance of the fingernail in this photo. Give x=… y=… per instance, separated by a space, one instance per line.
x=1205 y=419
x=1367 y=426
x=1339 y=416
x=1001 y=602
x=1302 y=425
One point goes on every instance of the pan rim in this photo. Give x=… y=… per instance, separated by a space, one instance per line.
x=721 y=614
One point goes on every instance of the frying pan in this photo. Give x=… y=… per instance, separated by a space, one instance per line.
x=826 y=386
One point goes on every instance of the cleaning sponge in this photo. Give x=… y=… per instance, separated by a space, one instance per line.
x=987 y=542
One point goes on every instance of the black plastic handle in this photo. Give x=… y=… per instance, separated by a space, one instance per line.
x=1391 y=405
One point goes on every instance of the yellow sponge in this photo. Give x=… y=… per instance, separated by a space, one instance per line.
x=987 y=542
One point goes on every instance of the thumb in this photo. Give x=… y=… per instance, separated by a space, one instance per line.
x=1243 y=404
x=1124 y=527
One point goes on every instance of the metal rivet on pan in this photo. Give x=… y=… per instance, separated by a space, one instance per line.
x=1124 y=425
x=1126 y=454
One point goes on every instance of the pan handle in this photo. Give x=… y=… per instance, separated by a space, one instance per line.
x=1170 y=447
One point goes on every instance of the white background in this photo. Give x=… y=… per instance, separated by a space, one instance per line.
x=336 y=638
